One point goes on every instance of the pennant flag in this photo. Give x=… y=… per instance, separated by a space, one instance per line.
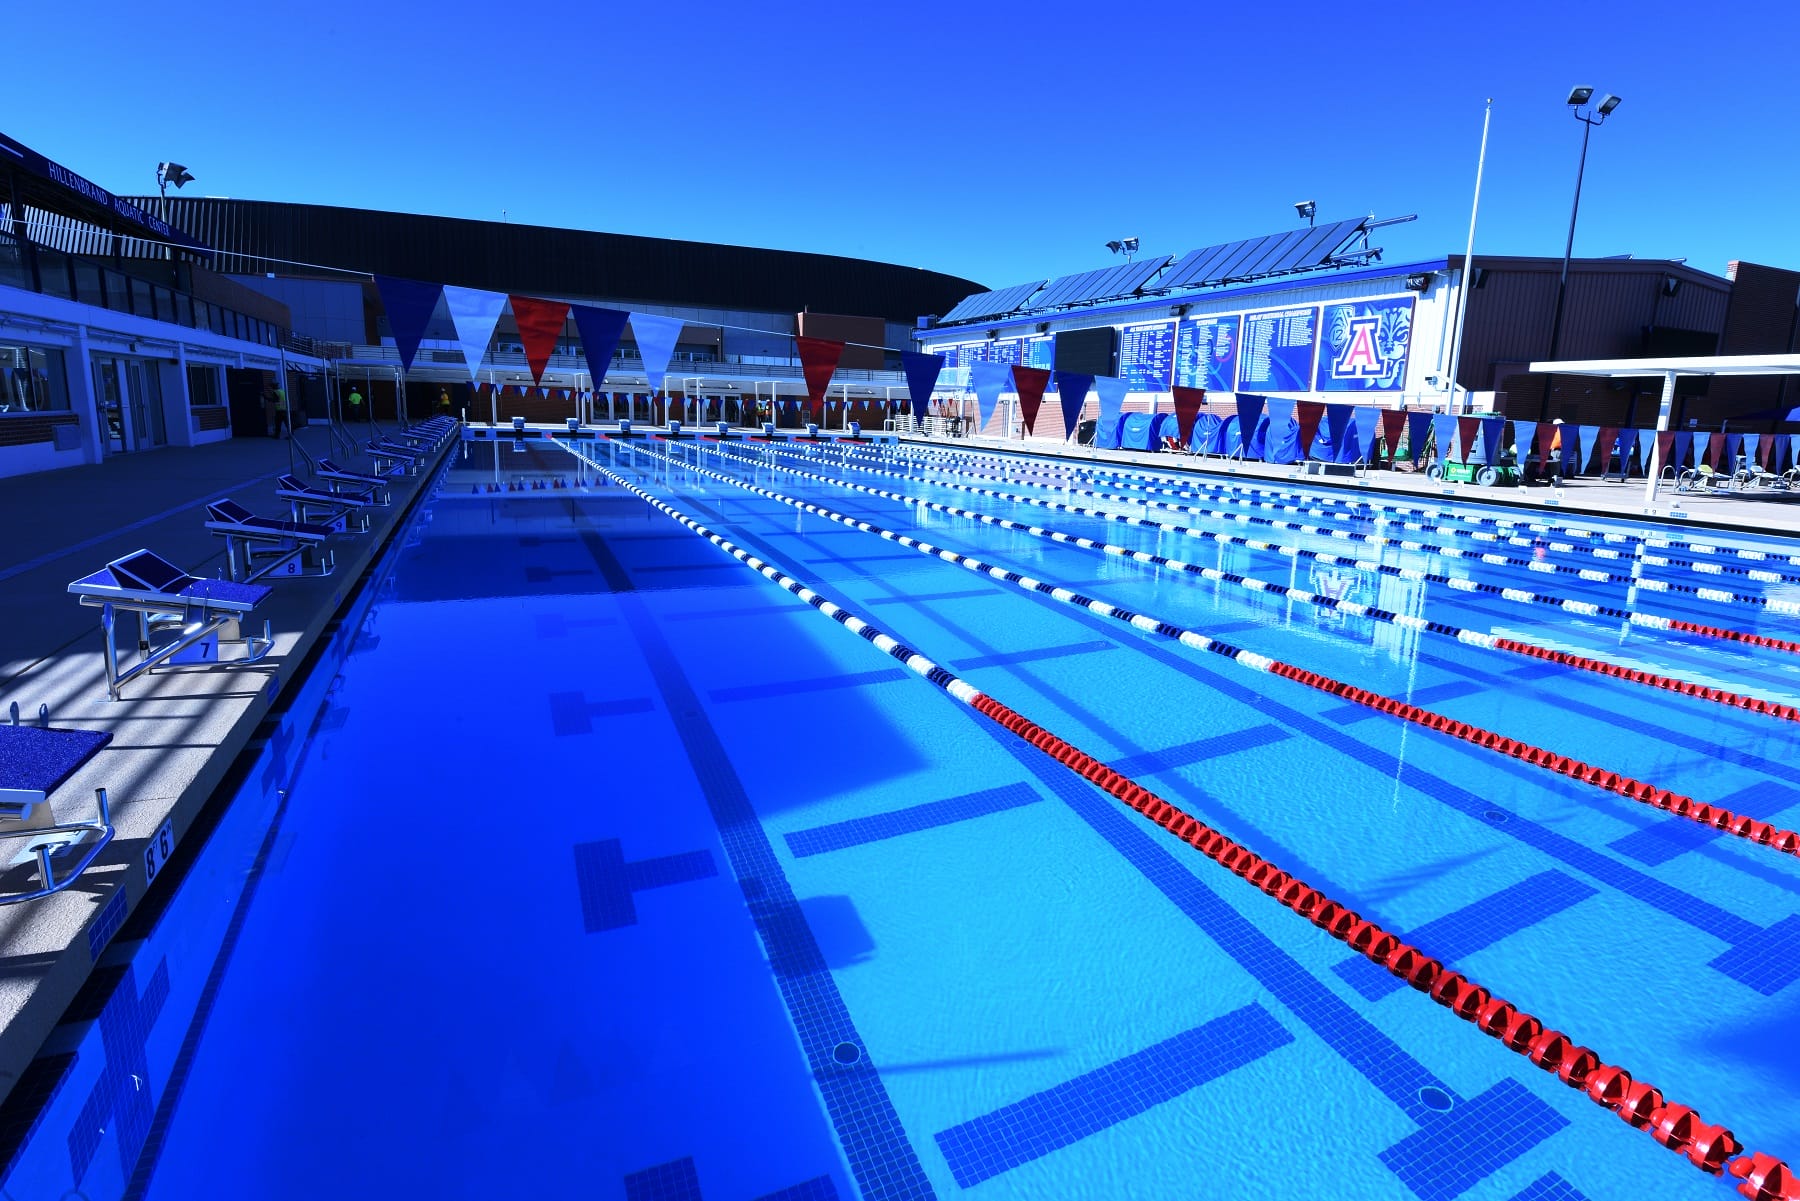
x=1362 y=423
x=1187 y=407
x=1443 y=430
x=1280 y=441
x=1030 y=383
x=1586 y=436
x=818 y=363
x=1337 y=427
x=656 y=338
x=475 y=314
x=1468 y=433
x=409 y=305
x=1418 y=425
x=988 y=380
x=1750 y=441
x=1250 y=407
x=922 y=371
x=1309 y=413
x=1669 y=449
x=1393 y=423
x=1523 y=433
x=1605 y=446
x=1072 y=389
x=540 y=325
x=1628 y=440
x=1112 y=391
x=1677 y=452
x=1491 y=429
x=600 y=331
x=1547 y=433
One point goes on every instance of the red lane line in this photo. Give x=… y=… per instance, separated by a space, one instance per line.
x=1642 y=1105
x=1760 y=832
x=1779 y=644
x=1667 y=683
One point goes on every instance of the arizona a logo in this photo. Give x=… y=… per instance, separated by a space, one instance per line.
x=1360 y=359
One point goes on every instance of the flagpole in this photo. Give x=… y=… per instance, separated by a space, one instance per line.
x=1462 y=293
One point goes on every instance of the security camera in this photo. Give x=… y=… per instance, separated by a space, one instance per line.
x=1436 y=381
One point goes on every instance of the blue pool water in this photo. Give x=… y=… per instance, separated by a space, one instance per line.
x=613 y=870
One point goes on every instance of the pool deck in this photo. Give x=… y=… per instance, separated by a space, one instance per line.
x=176 y=733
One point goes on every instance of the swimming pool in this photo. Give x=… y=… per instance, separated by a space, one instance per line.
x=614 y=869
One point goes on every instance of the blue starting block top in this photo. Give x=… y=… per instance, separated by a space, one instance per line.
x=35 y=761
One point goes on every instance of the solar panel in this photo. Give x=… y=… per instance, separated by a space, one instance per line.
x=965 y=306
x=1277 y=254
x=1141 y=274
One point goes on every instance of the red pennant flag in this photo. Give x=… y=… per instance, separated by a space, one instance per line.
x=1665 y=450
x=1393 y=424
x=1546 y=434
x=1310 y=413
x=1603 y=448
x=1467 y=428
x=818 y=362
x=1187 y=407
x=1029 y=383
x=540 y=325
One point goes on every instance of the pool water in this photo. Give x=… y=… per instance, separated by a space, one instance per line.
x=617 y=871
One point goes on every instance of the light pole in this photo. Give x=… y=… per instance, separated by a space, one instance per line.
x=1597 y=115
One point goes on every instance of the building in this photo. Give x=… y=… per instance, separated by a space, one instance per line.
x=1316 y=314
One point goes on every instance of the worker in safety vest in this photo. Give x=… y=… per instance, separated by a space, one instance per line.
x=356 y=403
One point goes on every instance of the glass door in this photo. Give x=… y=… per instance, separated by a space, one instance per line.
x=143 y=393
x=112 y=404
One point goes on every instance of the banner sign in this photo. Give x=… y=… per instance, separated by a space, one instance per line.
x=1364 y=345
x=1147 y=355
x=475 y=313
x=1277 y=352
x=1072 y=389
x=922 y=371
x=1206 y=352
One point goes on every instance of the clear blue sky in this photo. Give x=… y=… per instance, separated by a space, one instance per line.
x=1001 y=141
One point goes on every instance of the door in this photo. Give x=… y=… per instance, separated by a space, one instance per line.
x=143 y=395
x=110 y=385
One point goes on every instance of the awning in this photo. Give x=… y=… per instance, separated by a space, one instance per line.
x=50 y=186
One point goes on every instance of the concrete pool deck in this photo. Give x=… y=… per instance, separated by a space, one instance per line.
x=177 y=733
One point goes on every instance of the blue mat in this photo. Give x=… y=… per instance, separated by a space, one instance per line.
x=33 y=759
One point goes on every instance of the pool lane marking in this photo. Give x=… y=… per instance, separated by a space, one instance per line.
x=1750 y=829
x=1592 y=575
x=1643 y=1106
x=1385 y=505
x=1765 y=577
x=1467 y=637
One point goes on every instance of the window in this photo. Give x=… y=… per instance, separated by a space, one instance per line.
x=141 y=303
x=32 y=380
x=118 y=293
x=203 y=385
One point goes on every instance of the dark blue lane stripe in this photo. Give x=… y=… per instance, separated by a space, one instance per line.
x=1476 y=926
x=849 y=679
x=1029 y=1129
x=868 y=1128
x=876 y=827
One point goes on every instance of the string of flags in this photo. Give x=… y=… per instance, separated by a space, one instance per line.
x=474 y=313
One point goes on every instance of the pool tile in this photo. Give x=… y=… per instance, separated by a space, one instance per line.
x=1048 y=1121
x=1343 y=715
x=117 y=1103
x=1474 y=927
x=606 y=881
x=572 y=713
x=897 y=822
x=1549 y=1187
x=819 y=1188
x=1769 y=961
x=1201 y=750
x=673 y=1181
x=1453 y=1152
x=1011 y=658
x=849 y=679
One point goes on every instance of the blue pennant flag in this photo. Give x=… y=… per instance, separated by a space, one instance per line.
x=1112 y=391
x=922 y=371
x=600 y=331
x=656 y=338
x=1418 y=424
x=409 y=305
x=1072 y=389
x=475 y=314
x=1522 y=435
x=988 y=380
x=1250 y=409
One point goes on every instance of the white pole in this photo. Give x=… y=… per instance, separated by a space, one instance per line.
x=1462 y=297
x=1652 y=464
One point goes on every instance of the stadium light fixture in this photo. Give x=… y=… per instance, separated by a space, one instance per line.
x=1124 y=246
x=1308 y=209
x=1597 y=116
x=171 y=173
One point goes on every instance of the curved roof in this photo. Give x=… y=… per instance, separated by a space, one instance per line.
x=563 y=263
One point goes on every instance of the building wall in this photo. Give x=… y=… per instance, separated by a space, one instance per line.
x=88 y=337
x=1765 y=306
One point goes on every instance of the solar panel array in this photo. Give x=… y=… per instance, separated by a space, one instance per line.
x=1248 y=258
x=992 y=304
x=1272 y=254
